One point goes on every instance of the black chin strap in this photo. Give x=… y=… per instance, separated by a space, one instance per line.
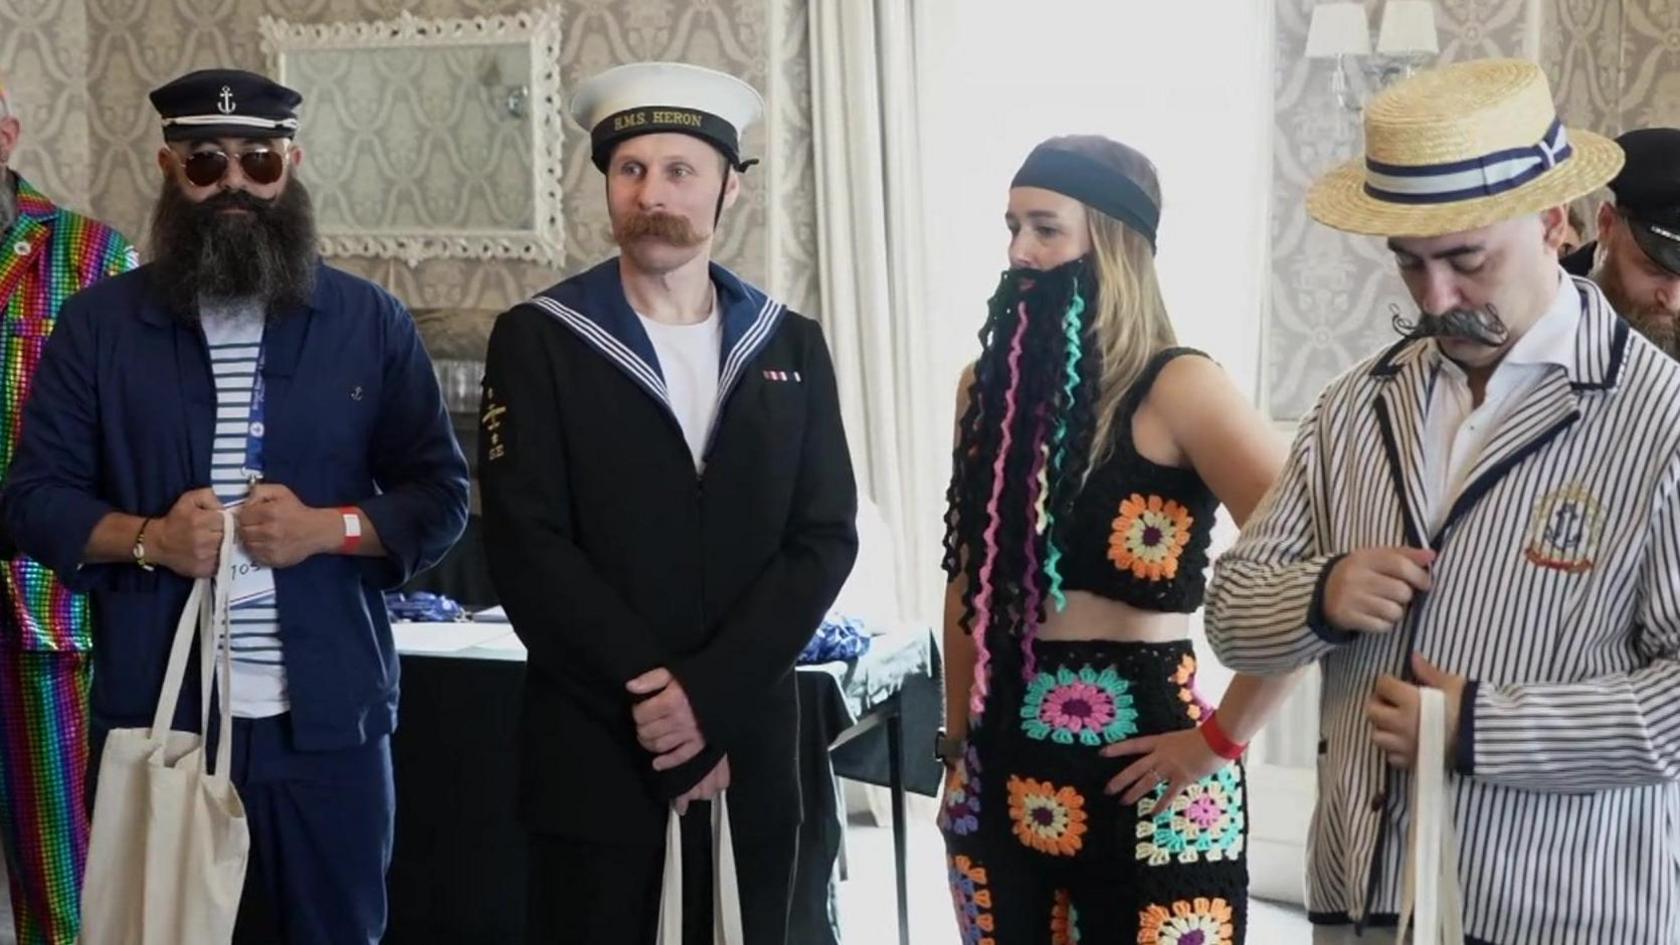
x=717 y=213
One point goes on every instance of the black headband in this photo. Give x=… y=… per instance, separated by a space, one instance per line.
x=1094 y=184
x=656 y=119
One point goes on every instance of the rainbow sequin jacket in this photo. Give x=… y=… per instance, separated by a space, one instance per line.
x=47 y=255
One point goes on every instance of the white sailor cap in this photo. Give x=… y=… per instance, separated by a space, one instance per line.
x=662 y=97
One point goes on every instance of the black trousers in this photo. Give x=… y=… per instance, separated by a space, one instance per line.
x=586 y=893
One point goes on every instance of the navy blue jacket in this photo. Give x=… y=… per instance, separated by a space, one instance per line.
x=120 y=419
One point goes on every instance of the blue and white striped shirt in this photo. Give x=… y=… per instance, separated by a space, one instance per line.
x=234 y=333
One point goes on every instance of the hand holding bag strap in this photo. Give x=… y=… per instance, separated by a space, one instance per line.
x=726 y=891
x=200 y=617
x=726 y=894
x=1430 y=897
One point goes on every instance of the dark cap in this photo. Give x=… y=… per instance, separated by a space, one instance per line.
x=226 y=103
x=1057 y=165
x=1648 y=192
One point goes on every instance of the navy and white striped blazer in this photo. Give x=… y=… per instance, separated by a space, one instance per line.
x=1556 y=592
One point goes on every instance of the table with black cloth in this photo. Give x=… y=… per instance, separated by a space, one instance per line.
x=458 y=869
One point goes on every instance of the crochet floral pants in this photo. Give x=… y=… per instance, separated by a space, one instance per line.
x=1038 y=854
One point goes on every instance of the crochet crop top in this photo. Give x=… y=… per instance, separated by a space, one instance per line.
x=1140 y=531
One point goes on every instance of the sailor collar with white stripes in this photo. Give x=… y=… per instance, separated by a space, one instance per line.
x=593 y=306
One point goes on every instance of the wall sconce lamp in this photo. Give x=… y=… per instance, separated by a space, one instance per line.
x=1405 y=42
x=504 y=97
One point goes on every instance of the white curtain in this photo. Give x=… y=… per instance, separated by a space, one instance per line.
x=870 y=267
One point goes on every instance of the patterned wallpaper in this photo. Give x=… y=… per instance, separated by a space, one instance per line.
x=1330 y=292
x=43 y=63
x=792 y=176
x=92 y=137
x=1615 y=64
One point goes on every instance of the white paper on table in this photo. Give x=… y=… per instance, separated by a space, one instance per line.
x=444 y=637
x=491 y=615
x=508 y=643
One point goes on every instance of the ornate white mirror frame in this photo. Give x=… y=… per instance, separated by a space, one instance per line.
x=532 y=96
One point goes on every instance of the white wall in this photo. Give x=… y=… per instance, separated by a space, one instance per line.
x=1187 y=82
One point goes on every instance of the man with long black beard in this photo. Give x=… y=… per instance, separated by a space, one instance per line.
x=1490 y=509
x=1636 y=258
x=237 y=372
x=669 y=510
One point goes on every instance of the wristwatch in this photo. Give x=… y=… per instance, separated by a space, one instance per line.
x=947 y=750
x=139 y=549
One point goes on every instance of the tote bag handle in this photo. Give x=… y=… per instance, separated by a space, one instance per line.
x=1430 y=899
x=726 y=893
x=206 y=612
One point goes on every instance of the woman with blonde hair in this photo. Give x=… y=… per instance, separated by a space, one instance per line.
x=1092 y=795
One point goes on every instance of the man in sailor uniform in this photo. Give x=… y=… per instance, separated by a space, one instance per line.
x=668 y=512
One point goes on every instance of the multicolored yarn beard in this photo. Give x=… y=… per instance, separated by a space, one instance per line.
x=1023 y=449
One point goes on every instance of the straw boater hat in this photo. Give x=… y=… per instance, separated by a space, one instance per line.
x=1459 y=148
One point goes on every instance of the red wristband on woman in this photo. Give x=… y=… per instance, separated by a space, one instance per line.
x=1220 y=742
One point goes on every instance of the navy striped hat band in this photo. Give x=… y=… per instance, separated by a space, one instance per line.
x=1457 y=181
x=1094 y=184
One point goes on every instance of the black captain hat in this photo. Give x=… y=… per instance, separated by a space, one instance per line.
x=1648 y=192
x=663 y=97
x=226 y=103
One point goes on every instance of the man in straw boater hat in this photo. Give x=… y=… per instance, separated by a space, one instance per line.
x=669 y=511
x=1490 y=508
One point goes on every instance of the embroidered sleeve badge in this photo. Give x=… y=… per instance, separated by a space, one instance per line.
x=494 y=411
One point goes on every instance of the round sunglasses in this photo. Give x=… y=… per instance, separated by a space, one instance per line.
x=204 y=168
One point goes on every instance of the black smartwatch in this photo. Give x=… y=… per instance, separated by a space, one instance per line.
x=947 y=750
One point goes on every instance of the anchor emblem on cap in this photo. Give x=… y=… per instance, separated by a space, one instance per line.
x=226 y=105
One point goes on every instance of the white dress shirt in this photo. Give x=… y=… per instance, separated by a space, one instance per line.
x=1457 y=431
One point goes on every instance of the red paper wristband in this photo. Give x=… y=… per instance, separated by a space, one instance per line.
x=352 y=530
x=1220 y=742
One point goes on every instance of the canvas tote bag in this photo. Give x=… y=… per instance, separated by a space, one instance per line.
x=1430 y=899
x=726 y=895
x=168 y=845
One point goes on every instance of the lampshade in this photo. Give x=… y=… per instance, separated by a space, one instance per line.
x=1339 y=29
x=1408 y=27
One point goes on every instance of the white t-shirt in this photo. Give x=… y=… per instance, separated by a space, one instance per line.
x=234 y=332
x=689 y=357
